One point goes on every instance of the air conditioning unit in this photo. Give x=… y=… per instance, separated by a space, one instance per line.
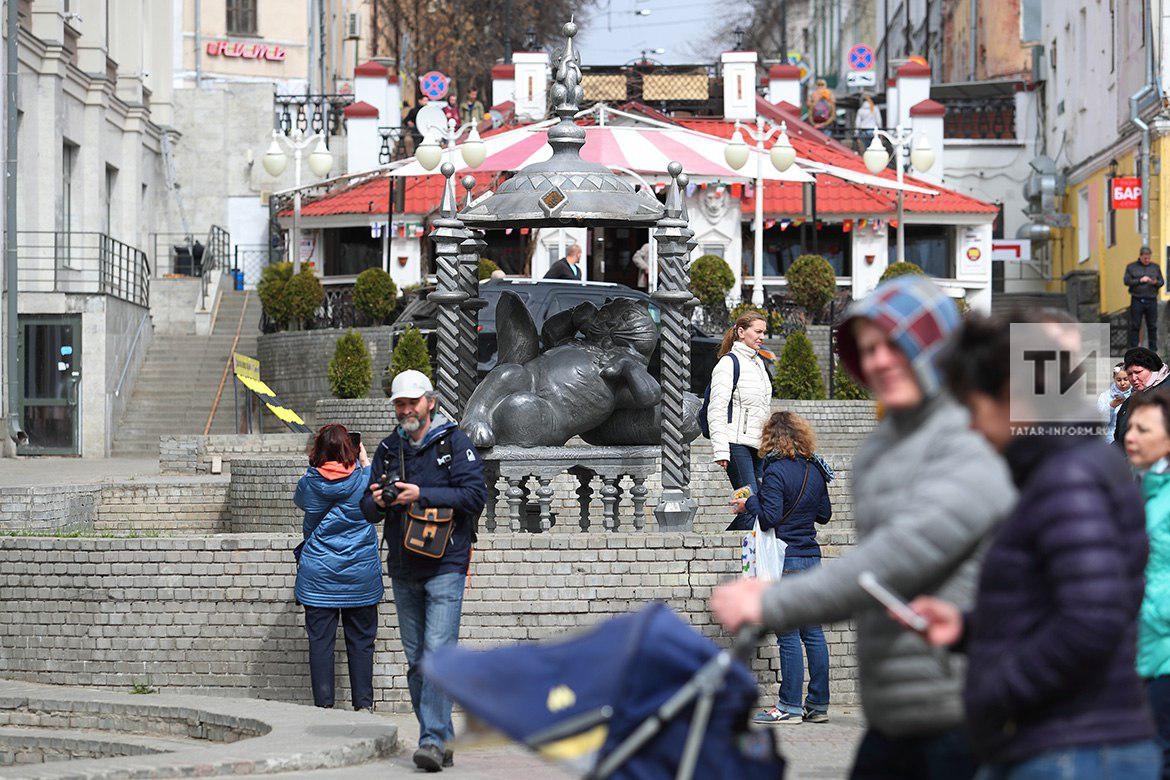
x=353 y=26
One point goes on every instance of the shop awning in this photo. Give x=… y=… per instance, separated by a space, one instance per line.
x=643 y=150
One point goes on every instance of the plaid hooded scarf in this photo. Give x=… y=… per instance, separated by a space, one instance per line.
x=917 y=316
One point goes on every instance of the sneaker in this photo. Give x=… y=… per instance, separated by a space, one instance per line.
x=815 y=716
x=448 y=759
x=429 y=757
x=774 y=716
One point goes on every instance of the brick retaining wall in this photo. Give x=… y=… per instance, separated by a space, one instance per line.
x=50 y=508
x=216 y=614
x=260 y=497
x=192 y=454
x=171 y=505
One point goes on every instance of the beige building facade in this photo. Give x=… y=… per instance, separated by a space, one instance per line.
x=311 y=44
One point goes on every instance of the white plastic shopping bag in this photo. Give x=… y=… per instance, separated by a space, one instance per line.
x=762 y=554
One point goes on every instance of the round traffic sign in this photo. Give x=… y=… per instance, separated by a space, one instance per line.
x=861 y=57
x=434 y=84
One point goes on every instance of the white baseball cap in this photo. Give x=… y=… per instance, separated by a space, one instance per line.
x=410 y=384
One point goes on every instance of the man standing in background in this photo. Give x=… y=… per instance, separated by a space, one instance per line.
x=1144 y=279
x=567 y=267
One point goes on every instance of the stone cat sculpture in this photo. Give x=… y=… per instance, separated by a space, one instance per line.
x=591 y=380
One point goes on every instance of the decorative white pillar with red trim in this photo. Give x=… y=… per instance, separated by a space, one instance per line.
x=784 y=85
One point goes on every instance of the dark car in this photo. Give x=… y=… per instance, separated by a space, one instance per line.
x=544 y=298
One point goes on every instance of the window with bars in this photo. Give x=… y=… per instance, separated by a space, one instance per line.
x=241 y=17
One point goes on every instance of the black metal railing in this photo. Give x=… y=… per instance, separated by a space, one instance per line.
x=217 y=254
x=82 y=262
x=310 y=113
x=336 y=311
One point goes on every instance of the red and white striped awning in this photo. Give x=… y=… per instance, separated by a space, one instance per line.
x=643 y=150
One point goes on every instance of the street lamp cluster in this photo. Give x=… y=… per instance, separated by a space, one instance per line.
x=275 y=160
x=429 y=153
x=921 y=158
x=782 y=156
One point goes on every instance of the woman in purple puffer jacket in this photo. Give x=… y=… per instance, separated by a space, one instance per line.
x=1051 y=687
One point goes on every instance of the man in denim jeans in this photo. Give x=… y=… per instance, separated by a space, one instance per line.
x=433 y=463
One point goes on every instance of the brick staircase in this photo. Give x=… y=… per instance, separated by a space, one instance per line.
x=177 y=383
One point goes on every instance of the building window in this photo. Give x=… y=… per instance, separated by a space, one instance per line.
x=719 y=250
x=927 y=246
x=241 y=17
x=351 y=250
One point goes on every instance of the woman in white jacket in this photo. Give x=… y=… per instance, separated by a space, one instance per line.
x=738 y=410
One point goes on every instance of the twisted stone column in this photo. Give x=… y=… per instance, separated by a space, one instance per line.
x=468 y=282
x=676 y=508
x=448 y=234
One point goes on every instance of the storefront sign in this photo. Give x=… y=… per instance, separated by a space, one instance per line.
x=246 y=51
x=1125 y=192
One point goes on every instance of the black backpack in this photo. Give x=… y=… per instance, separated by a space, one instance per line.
x=704 y=425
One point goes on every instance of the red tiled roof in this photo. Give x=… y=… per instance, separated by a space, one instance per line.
x=503 y=71
x=836 y=197
x=370 y=196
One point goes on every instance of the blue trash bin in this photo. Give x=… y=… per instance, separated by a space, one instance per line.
x=239 y=278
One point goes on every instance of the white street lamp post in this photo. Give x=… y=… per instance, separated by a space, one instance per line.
x=782 y=157
x=921 y=158
x=320 y=162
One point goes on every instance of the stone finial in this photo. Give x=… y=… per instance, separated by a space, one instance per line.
x=449 y=205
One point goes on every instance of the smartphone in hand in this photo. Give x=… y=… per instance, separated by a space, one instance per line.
x=356 y=438
x=900 y=609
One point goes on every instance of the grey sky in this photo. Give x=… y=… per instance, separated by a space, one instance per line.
x=612 y=34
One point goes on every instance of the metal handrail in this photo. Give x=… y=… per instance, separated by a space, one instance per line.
x=218 y=249
x=84 y=263
x=130 y=354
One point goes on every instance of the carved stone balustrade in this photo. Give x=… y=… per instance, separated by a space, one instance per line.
x=530 y=473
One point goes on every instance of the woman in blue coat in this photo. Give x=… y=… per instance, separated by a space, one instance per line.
x=338 y=569
x=793 y=499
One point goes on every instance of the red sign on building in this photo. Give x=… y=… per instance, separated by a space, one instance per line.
x=246 y=51
x=1125 y=192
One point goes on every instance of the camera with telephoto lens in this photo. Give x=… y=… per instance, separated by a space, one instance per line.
x=389 y=489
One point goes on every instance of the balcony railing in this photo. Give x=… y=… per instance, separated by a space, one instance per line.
x=81 y=262
x=990 y=118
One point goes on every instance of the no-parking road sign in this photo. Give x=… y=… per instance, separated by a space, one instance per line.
x=434 y=84
x=861 y=57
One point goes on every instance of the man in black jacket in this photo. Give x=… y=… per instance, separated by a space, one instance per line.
x=568 y=267
x=1146 y=370
x=1144 y=279
x=436 y=465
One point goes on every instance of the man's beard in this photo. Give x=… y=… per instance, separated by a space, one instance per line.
x=410 y=423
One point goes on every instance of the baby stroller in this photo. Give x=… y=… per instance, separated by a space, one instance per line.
x=641 y=696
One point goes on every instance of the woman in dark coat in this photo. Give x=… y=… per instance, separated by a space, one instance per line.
x=793 y=499
x=1051 y=688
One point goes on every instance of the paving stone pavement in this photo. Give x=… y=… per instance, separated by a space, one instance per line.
x=814 y=752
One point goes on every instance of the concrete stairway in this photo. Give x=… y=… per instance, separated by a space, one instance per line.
x=1003 y=303
x=177 y=383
